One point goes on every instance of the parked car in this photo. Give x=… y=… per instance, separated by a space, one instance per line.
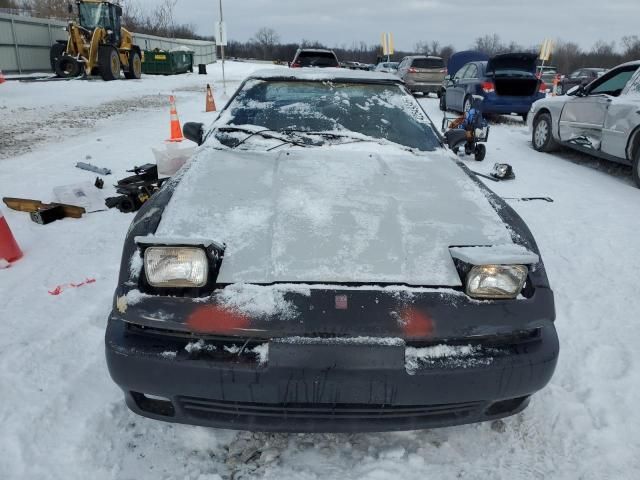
x=601 y=119
x=290 y=277
x=313 y=57
x=507 y=84
x=547 y=74
x=422 y=74
x=354 y=65
x=455 y=63
x=582 y=76
x=387 y=67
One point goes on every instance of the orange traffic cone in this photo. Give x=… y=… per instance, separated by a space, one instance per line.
x=176 y=131
x=2 y=79
x=9 y=249
x=211 y=104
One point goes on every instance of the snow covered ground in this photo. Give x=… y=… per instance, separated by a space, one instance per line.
x=62 y=417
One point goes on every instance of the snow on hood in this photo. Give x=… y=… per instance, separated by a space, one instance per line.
x=319 y=215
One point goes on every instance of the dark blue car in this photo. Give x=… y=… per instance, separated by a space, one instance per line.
x=506 y=83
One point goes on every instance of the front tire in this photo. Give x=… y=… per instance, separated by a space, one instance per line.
x=443 y=102
x=636 y=169
x=134 y=72
x=57 y=51
x=109 y=62
x=67 y=67
x=542 y=138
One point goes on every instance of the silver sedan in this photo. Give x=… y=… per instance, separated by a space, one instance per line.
x=601 y=119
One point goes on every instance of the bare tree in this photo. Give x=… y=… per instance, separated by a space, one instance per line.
x=159 y=21
x=447 y=51
x=631 y=45
x=10 y=4
x=565 y=56
x=489 y=44
x=266 y=39
x=48 y=8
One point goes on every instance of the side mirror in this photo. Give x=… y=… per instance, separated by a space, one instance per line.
x=194 y=131
x=577 y=91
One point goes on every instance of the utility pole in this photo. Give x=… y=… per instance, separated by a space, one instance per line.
x=220 y=37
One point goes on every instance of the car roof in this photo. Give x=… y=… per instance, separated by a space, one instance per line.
x=324 y=74
x=315 y=50
x=634 y=63
x=422 y=56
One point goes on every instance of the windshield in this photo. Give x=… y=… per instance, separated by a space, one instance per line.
x=316 y=59
x=428 y=63
x=359 y=110
x=93 y=15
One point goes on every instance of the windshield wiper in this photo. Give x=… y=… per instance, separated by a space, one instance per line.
x=265 y=133
x=355 y=137
x=352 y=138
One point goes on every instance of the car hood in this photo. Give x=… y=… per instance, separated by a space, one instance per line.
x=329 y=215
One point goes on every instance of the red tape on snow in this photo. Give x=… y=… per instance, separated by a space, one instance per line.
x=60 y=288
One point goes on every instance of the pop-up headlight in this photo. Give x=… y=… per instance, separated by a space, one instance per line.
x=176 y=267
x=496 y=281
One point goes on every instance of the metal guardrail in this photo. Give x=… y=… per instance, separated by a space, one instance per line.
x=25 y=43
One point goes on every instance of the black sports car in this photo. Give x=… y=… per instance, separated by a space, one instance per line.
x=324 y=263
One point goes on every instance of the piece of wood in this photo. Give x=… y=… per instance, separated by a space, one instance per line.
x=28 y=205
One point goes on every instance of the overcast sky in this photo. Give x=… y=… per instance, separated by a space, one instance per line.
x=341 y=22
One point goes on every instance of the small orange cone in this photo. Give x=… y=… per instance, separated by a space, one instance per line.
x=2 y=79
x=176 y=131
x=9 y=249
x=211 y=104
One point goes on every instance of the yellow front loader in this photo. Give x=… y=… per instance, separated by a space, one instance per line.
x=97 y=44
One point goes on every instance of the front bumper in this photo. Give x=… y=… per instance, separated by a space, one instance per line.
x=323 y=387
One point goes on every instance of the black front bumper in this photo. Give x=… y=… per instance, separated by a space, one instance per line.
x=324 y=387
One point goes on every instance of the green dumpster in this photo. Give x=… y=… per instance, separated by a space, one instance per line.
x=167 y=62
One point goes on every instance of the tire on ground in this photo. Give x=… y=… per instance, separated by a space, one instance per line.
x=109 y=62
x=67 y=67
x=636 y=168
x=57 y=50
x=443 y=102
x=541 y=136
x=135 y=66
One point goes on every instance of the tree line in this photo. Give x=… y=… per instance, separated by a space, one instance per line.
x=266 y=44
x=567 y=56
